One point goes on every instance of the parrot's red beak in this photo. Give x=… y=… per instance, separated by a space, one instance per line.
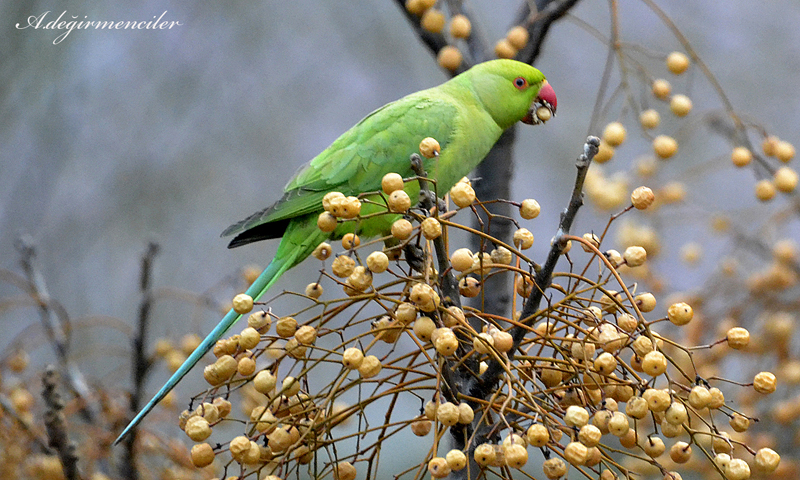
x=544 y=107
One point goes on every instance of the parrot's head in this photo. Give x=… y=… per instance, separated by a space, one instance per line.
x=513 y=91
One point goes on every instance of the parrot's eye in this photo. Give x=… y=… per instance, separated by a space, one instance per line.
x=520 y=83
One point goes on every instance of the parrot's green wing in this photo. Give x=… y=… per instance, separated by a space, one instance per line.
x=355 y=163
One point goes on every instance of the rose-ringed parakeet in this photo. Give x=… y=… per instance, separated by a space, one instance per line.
x=466 y=115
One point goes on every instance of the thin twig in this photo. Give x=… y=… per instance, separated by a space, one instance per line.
x=56 y=426
x=56 y=324
x=141 y=363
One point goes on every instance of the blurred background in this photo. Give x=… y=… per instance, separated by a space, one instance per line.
x=111 y=139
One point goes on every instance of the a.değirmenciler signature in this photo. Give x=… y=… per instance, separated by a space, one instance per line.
x=38 y=21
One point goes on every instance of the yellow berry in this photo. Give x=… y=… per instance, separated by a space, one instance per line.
x=377 y=262
x=699 y=397
x=330 y=200
x=503 y=341
x=604 y=153
x=645 y=301
x=399 y=201
x=680 y=105
x=649 y=119
x=501 y=255
x=634 y=256
x=391 y=182
x=285 y=327
x=504 y=49
x=785 y=179
x=360 y=279
x=518 y=37
x=770 y=145
x=765 y=190
x=326 y=222
x=423 y=328
x=202 y=455
x=402 y=229
x=438 y=467
x=264 y=382
x=537 y=435
x=433 y=21
x=483 y=343
x=449 y=58
x=717 y=398
x=661 y=89
x=554 y=468
x=447 y=414
x=680 y=452
x=765 y=383
x=677 y=62
x=591 y=239
x=460 y=26
x=642 y=197
x=590 y=435
x=605 y=364
x=242 y=303
x=738 y=338
x=469 y=287
x=322 y=252
x=405 y=313
x=445 y=342
x=529 y=209
x=516 y=456
x=429 y=147
x=197 y=428
x=523 y=239
x=352 y=358
x=614 y=134
x=461 y=259
x=484 y=454
x=421 y=293
x=544 y=114
x=784 y=151
x=343 y=266
x=345 y=471
x=246 y=366
x=739 y=422
x=314 y=290
x=369 y=367
x=221 y=370
x=306 y=335
x=576 y=416
x=482 y=263
x=415 y=7
x=767 y=460
x=576 y=453
x=456 y=459
x=676 y=414
x=421 y=426
x=260 y=321
x=665 y=146
x=741 y=156
x=350 y=240
x=618 y=424
x=431 y=228
x=680 y=313
x=290 y=386
x=462 y=194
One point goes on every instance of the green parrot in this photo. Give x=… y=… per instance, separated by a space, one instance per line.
x=466 y=115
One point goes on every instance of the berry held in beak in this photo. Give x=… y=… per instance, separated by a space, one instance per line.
x=544 y=107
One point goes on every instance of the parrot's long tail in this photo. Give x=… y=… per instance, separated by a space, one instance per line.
x=270 y=275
